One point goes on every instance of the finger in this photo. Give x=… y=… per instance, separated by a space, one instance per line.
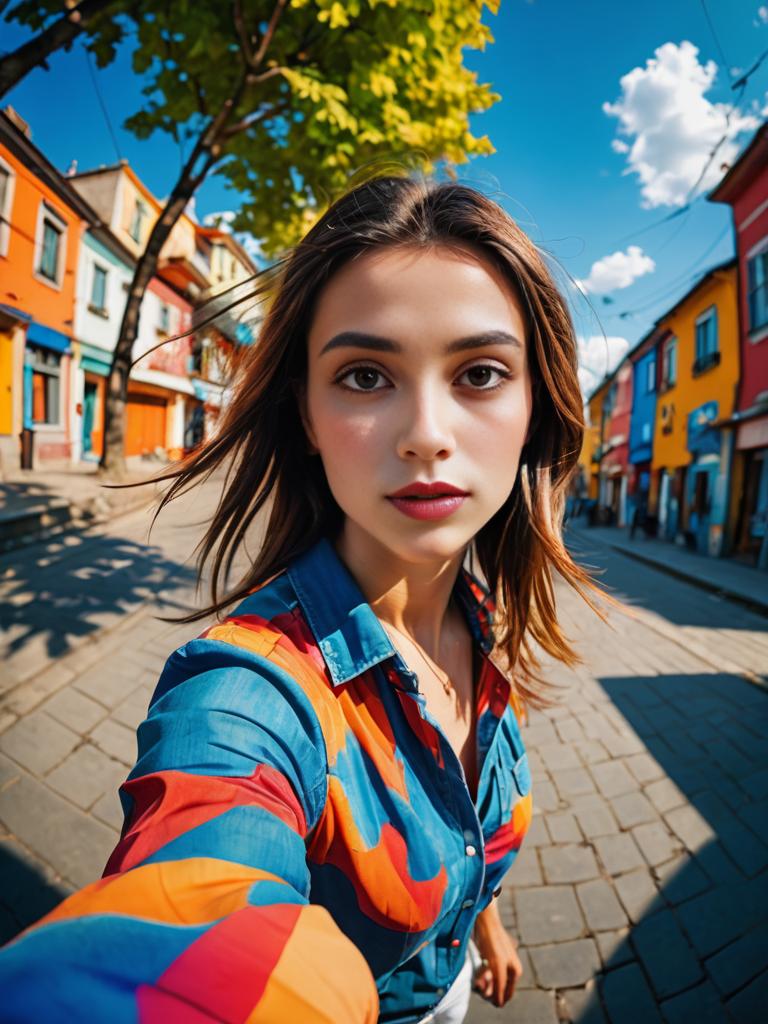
x=513 y=974
x=500 y=984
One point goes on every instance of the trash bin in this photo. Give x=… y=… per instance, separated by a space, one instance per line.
x=27 y=447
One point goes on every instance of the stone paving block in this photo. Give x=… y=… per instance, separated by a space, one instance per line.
x=74 y=710
x=741 y=844
x=572 y=782
x=535 y=736
x=563 y=828
x=581 y=1006
x=571 y=863
x=748 y=1006
x=86 y=774
x=38 y=742
x=693 y=830
x=666 y=954
x=595 y=819
x=591 y=751
x=613 y=779
x=24 y=698
x=701 y=1005
x=558 y=756
x=721 y=915
x=638 y=893
x=526 y=1007
x=618 y=853
x=736 y=965
x=664 y=795
x=627 y=997
x=601 y=907
x=537 y=834
x=614 y=948
x=569 y=730
x=566 y=964
x=108 y=809
x=525 y=870
x=72 y=842
x=656 y=844
x=116 y=740
x=548 y=914
x=29 y=889
x=756 y=818
x=106 y=682
x=644 y=768
x=8 y=771
x=633 y=809
x=622 y=746
x=729 y=758
x=133 y=710
x=681 y=879
x=546 y=797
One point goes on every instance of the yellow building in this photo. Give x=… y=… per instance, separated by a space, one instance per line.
x=698 y=370
x=589 y=458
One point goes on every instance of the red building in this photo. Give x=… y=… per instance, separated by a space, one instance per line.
x=745 y=189
x=614 y=461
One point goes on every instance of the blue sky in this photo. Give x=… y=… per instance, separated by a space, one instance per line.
x=589 y=184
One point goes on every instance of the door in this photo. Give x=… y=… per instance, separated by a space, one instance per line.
x=6 y=384
x=89 y=417
x=145 y=424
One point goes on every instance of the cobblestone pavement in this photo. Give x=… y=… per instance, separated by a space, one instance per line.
x=641 y=892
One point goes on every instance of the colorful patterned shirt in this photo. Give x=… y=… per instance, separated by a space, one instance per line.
x=299 y=844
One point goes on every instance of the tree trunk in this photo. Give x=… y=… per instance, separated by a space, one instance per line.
x=113 y=459
x=16 y=65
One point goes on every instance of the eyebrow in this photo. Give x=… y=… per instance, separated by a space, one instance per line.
x=359 y=339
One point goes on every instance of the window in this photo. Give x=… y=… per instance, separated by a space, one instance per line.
x=98 y=302
x=165 y=318
x=707 y=353
x=46 y=373
x=6 y=201
x=137 y=221
x=757 y=288
x=650 y=380
x=49 y=253
x=669 y=362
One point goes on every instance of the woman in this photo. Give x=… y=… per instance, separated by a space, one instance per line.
x=331 y=781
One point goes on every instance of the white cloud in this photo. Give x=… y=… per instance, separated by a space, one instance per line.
x=618 y=270
x=223 y=219
x=762 y=16
x=673 y=127
x=619 y=146
x=598 y=355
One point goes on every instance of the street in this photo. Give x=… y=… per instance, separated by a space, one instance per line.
x=641 y=891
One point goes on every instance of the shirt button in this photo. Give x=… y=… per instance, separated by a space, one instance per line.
x=439 y=991
x=455 y=942
x=467 y=904
x=470 y=850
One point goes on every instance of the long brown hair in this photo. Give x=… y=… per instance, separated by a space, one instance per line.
x=263 y=443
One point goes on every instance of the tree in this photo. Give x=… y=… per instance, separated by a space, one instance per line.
x=57 y=29
x=284 y=98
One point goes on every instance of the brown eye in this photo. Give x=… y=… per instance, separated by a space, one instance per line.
x=480 y=378
x=363 y=378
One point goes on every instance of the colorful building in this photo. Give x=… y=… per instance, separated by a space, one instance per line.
x=745 y=189
x=643 y=359
x=162 y=402
x=43 y=222
x=697 y=374
x=614 y=450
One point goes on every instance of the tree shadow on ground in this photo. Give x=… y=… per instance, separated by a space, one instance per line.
x=26 y=892
x=56 y=595
x=696 y=949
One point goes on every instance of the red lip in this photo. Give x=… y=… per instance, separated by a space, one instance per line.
x=428 y=490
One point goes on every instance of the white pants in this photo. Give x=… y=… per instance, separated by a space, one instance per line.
x=452 y=1008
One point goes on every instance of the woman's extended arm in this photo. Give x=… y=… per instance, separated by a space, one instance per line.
x=203 y=911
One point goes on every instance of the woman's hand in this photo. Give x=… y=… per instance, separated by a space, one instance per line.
x=496 y=980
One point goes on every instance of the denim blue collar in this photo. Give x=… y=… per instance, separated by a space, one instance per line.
x=348 y=632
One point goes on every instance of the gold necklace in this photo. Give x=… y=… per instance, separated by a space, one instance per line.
x=448 y=689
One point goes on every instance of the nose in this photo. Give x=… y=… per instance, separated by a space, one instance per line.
x=425 y=432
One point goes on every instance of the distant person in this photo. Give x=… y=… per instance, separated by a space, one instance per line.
x=331 y=782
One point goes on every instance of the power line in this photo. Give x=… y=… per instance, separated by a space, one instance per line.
x=726 y=64
x=102 y=104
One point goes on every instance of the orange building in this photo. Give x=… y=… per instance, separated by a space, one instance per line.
x=698 y=372
x=43 y=220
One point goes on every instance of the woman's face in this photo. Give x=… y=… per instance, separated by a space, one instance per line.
x=418 y=372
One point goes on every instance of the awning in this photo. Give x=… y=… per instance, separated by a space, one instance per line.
x=95 y=360
x=15 y=314
x=46 y=337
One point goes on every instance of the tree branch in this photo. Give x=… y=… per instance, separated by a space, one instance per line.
x=14 y=66
x=273 y=23
x=249 y=122
x=242 y=33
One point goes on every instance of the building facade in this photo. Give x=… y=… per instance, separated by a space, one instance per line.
x=745 y=189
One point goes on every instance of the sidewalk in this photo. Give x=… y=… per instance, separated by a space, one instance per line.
x=35 y=504
x=723 y=576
